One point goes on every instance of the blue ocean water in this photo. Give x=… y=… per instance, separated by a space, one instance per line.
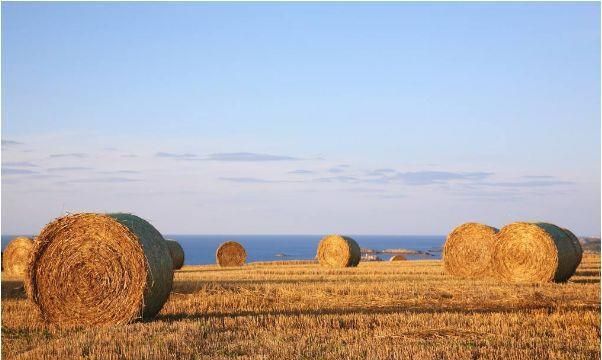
x=200 y=249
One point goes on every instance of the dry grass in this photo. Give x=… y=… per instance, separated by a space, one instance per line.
x=378 y=310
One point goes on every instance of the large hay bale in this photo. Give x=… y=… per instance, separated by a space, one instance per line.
x=534 y=252
x=176 y=252
x=576 y=245
x=231 y=253
x=16 y=256
x=468 y=250
x=397 y=258
x=338 y=251
x=99 y=269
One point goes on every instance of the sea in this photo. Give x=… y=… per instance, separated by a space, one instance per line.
x=200 y=249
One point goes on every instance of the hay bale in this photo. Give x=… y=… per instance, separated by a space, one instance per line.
x=468 y=250
x=99 y=269
x=534 y=252
x=176 y=252
x=231 y=253
x=16 y=256
x=577 y=245
x=338 y=251
x=397 y=258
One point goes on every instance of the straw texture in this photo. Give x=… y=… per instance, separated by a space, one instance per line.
x=231 y=253
x=338 y=251
x=468 y=250
x=177 y=253
x=96 y=269
x=16 y=256
x=534 y=252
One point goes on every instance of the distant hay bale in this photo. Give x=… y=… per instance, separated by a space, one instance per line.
x=99 y=269
x=398 y=258
x=468 y=250
x=176 y=252
x=577 y=245
x=534 y=252
x=338 y=251
x=230 y=253
x=16 y=256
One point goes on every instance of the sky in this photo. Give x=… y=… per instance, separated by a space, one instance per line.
x=302 y=118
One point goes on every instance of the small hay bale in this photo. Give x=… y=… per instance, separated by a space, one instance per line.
x=99 y=269
x=176 y=252
x=231 y=253
x=338 y=251
x=468 y=250
x=576 y=245
x=16 y=256
x=398 y=258
x=534 y=252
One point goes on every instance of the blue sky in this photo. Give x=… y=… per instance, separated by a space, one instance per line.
x=394 y=118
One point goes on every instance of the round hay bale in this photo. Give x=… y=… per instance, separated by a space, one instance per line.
x=16 y=256
x=576 y=245
x=99 y=269
x=398 y=258
x=468 y=250
x=338 y=251
x=534 y=252
x=176 y=252
x=231 y=253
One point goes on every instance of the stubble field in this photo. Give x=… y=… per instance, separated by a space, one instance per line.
x=379 y=310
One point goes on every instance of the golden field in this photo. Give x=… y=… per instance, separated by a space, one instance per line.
x=379 y=310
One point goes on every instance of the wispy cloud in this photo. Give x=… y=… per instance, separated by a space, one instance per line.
x=392 y=196
x=425 y=177
x=248 y=180
x=538 y=177
x=380 y=172
x=438 y=177
x=103 y=180
x=13 y=171
x=129 y=156
x=336 y=170
x=42 y=176
x=18 y=164
x=252 y=180
x=341 y=178
x=365 y=190
x=247 y=156
x=68 y=168
x=176 y=156
x=10 y=143
x=69 y=155
x=301 y=172
x=526 y=184
x=120 y=172
x=227 y=157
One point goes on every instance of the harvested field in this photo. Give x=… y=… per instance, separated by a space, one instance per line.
x=378 y=310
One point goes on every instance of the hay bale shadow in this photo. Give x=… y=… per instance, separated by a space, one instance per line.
x=13 y=289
